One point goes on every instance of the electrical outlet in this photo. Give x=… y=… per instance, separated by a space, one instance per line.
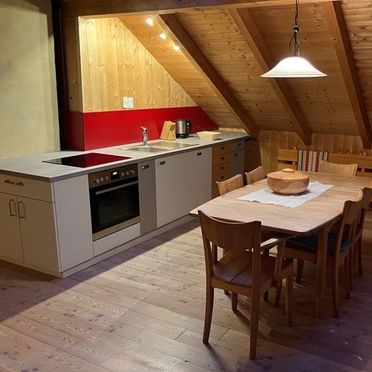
x=128 y=102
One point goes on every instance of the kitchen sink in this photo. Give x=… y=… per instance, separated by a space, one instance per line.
x=158 y=146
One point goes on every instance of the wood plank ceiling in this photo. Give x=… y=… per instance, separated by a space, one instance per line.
x=225 y=49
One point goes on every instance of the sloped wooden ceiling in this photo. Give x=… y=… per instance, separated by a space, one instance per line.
x=227 y=48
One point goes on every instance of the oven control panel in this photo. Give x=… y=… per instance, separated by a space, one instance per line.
x=112 y=175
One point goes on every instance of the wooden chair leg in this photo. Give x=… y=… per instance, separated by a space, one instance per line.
x=300 y=270
x=289 y=298
x=347 y=270
x=277 y=296
x=255 y=309
x=208 y=313
x=234 y=301
x=335 y=289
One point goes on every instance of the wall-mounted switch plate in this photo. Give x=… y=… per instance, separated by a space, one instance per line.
x=128 y=102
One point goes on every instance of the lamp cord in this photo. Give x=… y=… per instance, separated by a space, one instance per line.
x=295 y=39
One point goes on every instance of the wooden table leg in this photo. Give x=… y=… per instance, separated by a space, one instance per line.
x=321 y=268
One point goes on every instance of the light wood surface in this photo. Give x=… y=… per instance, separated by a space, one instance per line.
x=114 y=64
x=287 y=181
x=316 y=216
x=142 y=310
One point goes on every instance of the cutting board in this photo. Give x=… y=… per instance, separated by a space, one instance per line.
x=169 y=131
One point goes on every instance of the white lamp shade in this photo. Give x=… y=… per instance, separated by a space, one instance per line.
x=293 y=67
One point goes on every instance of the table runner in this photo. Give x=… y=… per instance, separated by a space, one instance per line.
x=267 y=196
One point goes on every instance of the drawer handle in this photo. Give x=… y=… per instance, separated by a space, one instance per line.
x=222 y=168
x=222 y=147
x=222 y=158
x=145 y=166
x=19 y=184
x=222 y=177
x=12 y=208
x=238 y=144
x=9 y=182
x=162 y=162
x=198 y=153
x=21 y=210
x=235 y=154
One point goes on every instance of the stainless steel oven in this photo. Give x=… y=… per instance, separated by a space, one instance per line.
x=114 y=200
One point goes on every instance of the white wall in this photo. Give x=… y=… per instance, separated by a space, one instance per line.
x=28 y=97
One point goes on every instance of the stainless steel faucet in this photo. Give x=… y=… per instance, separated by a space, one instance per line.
x=144 y=136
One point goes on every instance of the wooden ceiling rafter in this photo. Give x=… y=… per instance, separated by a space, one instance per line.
x=114 y=7
x=340 y=38
x=261 y=52
x=202 y=64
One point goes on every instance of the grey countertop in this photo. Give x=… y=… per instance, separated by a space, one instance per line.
x=34 y=166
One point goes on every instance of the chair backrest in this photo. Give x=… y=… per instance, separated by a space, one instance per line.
x=230 y=184
x=348 y=224
x=366 y=196
x=340 y=169
x=255 y=175
x=230 y=236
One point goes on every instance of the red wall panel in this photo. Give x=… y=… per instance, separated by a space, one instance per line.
x=103 y=129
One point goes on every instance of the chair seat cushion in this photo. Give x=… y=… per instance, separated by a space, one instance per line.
x=310 y=243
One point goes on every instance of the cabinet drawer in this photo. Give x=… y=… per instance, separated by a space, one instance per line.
x=219 y=158
x=27 y=187
x=237 y=145
x=221 y=176
x=221 y=149
x=219 y=169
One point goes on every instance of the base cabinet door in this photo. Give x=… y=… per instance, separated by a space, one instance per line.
x=36 y=219
x=10 y=235
x=182 y=183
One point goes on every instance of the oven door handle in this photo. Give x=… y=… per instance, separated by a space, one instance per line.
x=116 y=188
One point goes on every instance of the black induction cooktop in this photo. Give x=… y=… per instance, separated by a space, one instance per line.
x=87 y=160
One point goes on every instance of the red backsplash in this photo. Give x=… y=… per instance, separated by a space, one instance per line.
x=91 y=130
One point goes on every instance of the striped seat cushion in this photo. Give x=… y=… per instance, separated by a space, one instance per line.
x=310 y=243
x=309 y=160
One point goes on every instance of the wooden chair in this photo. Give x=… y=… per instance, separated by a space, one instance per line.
x=230 y=184
x=255 y=175
x=340 y=169
x=244 y=269
x=366 y=198
x=339 y=248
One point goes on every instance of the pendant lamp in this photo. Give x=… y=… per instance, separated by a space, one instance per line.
x=295 y=66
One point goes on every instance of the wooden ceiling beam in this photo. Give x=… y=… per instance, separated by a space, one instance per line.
x=261 y=52
x=202 y=64
x=114 y=7
x=340 y=38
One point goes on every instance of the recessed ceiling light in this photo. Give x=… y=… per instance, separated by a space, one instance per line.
x=163 y=35
x=150 y=21
x=176 y=47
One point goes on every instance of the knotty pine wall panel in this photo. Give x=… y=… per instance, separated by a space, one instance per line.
x=270 y=141
x=115 y=64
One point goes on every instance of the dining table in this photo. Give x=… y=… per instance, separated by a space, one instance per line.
x=316 y=216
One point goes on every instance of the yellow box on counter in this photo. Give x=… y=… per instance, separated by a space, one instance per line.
x=209 y=135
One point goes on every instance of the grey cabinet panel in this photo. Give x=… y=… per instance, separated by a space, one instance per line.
x=147 y=196
x=237 y=159
x=182 y=183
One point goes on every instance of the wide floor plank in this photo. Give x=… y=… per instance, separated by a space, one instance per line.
x=143 y=310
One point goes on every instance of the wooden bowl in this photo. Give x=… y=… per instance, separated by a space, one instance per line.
x=288 y=181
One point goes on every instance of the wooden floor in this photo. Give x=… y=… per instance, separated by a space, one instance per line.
x=143 y=309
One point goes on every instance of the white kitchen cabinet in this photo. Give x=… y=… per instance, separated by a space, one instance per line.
x=10 y=237
x=28 y=234
x=38 y=234
x=45 y=226
x=182 y=183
